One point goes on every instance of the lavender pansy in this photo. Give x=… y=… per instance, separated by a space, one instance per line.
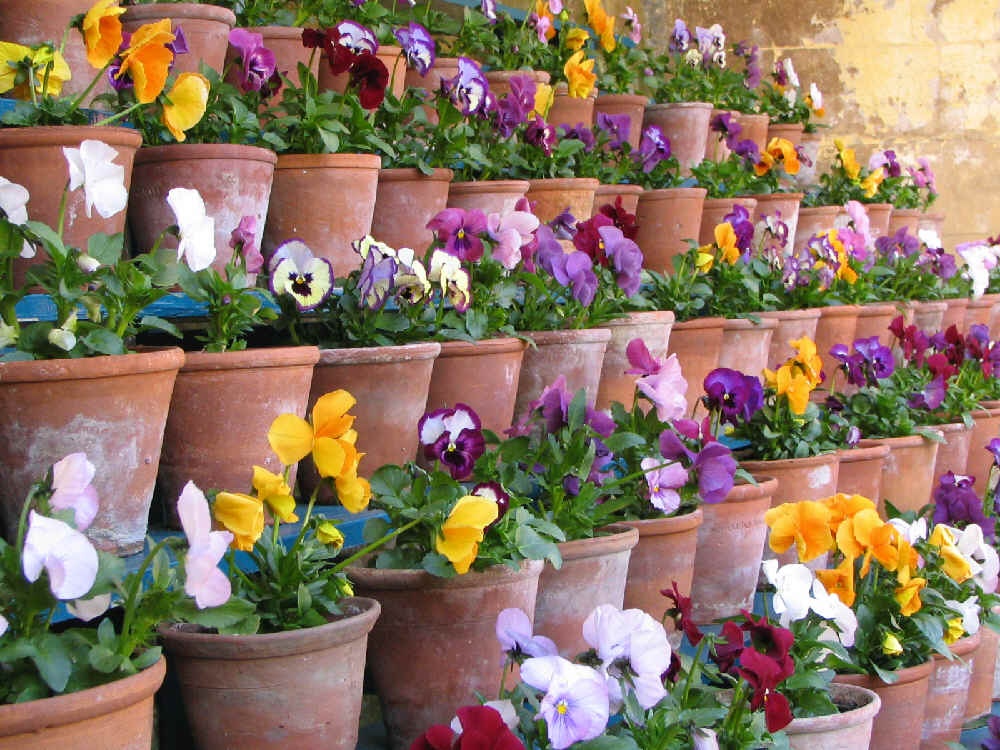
x=468 y=89
x=654 y=147
x=617 y=127
x=418 y=46
x=61 y=551
x=203 y=579
x=575 y=706
x=663 y=481
x=716 y=469
x=514 y=632
x=72 y=488
x=459 y=230
x=356 y=37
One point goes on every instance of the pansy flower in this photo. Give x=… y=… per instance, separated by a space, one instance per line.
x=295 y=271
x=460 y=232
x=464 y=529
x=454 y=437
x=446 y=271
x=418 y=46
x=102 y=32
x=468 y=90
x=186 y=104
x=147 y=59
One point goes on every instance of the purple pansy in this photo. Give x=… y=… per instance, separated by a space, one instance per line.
x=957 y=503
x=454 y=437
x=418 y=46
x=575 y=706
x=243 y=241
x=680 y=39
x=489 y=9
x=575 y=269
x=663 y=481
x=258 y=63
x=514 y=631
x=179 y=45
x=716 y=470
x=654 y=147
x=356 y=37
x=540 y=134
x=616 y=126
x=625 y=259
x=743 y=227
x=578 y=132
x=468 y=90
x=734 y=395
x=460 y=232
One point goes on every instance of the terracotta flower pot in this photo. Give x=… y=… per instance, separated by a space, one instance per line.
x=947 y=695
x=790 y=131
x=860 y=473
x=813 y=220
x=980 y=310
x=234 y=181
x=570 y=110
x=933 y=222
x=489 y=196
x=686 y=125
x=899 y=720
x=499 y=80
x=984 y=663
x=481 y=374
x=348 y=184
x=406 y=199
x=633 y=105
x=955 y=314
x=953 y=453
x=220 y=412
x=390 y=55
x=113 y=408
x=809 y=478
x=985 y=427
x=664 y=553
x=874 y=320
x=206 y=30
x=697 y=344
x=654 y=329
x=576 y=354
x=33 y=157
x=879 y=215
x=908 y=471
x=755 y=127
x=836 y=325
x=730 y=548
x=668 y=219
x=116 y=716
x=809 y=149
x=608 y=194
x=715 y=210
x=434 y=647
x=927 y=316
x=554 y=195
x=792 y=325
x=593 y=573
x=784 y=206
x=716 y=148
x=850 y=728
x=286 y=44
x=904 y=217
x=746 y=344
x=297 y=689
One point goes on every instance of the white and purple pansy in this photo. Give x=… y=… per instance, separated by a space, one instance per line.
x=295 y=271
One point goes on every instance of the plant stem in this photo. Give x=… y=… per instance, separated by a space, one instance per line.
x=374 y=545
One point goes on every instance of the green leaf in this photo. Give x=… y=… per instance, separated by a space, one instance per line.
x=104 y=341
x=159 y=324
x=106 y=249
x=54 y=662
x=223 y=617
x=103 y=659
x=438 y=565
x=147 y=658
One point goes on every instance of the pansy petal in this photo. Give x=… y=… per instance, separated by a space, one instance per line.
x=291 y=438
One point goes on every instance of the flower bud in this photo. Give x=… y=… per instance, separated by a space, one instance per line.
x=87 y=263
x=891 y=645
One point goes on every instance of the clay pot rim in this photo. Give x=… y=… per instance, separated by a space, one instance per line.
x=500 y=345
x=539 y=76
x=412 y=174
x=745 y=492
x=563 y=183
x=622 y=538
x=864 y=453
x=830 y=457
x=562 y=89
x=873 y=309
x=624 y=188
x=394 y=579
x=740 y=200
x=667 y=525
x=839 y=311
x=775 y=197
x=89 y=368
x=489 y=186
x=256 y=359
x=806 y=313
x=819 y=211
x=842 y=719
x=329 y=161
x=962 y=647
x=754 y=115
x=279 y=32
x=660 y=194
x=58 y=135
x=699 y=323
x=746 y=324
x=622 y=99
x=188 y=11
x=663 y=106
x=949 y=427
x=907 y=211
x=642 y=317
x=570 y=335
x=214 y=646
x=903 y=676
x=901 y=441
x=928 y=304
x=784 y=126
x=202 y=151
x=70 y=708
x=879 y=206
x=379 y=354
x=985 y=300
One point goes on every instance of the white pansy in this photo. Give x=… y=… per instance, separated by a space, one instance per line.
x=3 y=624
x=92 y=167
x=969 y=609
x=197 y=230
x=793 y=77
x=88 y=609
x=973 y=545
x=830 y=607
x=793 y=582
x=911 y=532
x=14 y=203
x=64 y=336
x=816 y=96
x=704 y=739
x=63 y=552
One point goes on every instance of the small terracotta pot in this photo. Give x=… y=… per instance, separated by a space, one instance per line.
x=609 y=194
x=809 y=159
x=633 y=105
x=716 y=148
x=348 y=184
x=754 y=127
x=908 y=471
x=947 y=695
x=933 y=222
x=836 y=325
x=220 y=412
x=874 y=320
x=576 y=354
x=406 y=199
x=554 y=195
x=850 y=728
x=954 y=315
x=390 y=55
x=443 y=68
x=668 y=219
x=813 y=220
x=296 y=689
x=985 y=427
x=899 y=720
x=482 y=374
x=809 y=478
x=113 y=408
x=984 y=663
x=499 y=80
x=792 y=325
x=879 y=215
x=206 y=30
x=904 y=217
x=860 y=473
x=980 y=311
x=593 y=573
x=570 y=110
x=664 y=554
x=790 y=131
x=780 y=205
x=115 y=716
x=927 y=316
x=686 y=125
x=434 y=645
x=489 y=196
x=697 y=344
x=953 y=453
x=730 y=548
x=746 y=344
x=654 y=329
x=715 y=210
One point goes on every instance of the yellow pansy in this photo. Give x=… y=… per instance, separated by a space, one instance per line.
x=844 y=269
x=544 y=95
x=891 y=645
x=764 y=165
x=843 y=506
x=954 y=631
x=186 y=103
x=806 y=524
x=12 y=56
x=147 y=59
x=542 y=11
x=464 y=530
x=807 y=359
x=241 y=514
x=576 y=38
x=329 y=438
x=580 y=75
x=953 y=562
x=725 y=239
x=848 y=159
x=871 y=182
x=602 y=24
x=353 y=491
x=840 y=581
x=908 y=596
x=705 y=259
x=328 y=533
x=272 y=489
x=854 y=536
x=102 y=32
x=783 y=150
x=794 y=386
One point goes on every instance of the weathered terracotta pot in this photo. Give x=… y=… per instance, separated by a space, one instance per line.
x=908 y=471
x=715 y=210
x=378 y=376
x=746 y=344
x=980 y=310
x=985 y=427
x=499 y=80
x=933 y=222
x=664 y=553
x=220 y=412
x=576 y=354
x=593 y=573
x=286 y=44
x=443 y=68
x=608 y=194
x=554 y=195
x=955 y=314
x=780 y=205
x=790 y=131
x=755 y=128
x=654 y=329
x=206 y=30
x=633 y=105
x=947 y=695
x=435 y=644
x=874 y=320
x=836 y=325
x=489 y=196
x=116 y=716
x=879 y=215
x=984 y=663
x=898 y=722
x=668 y=219
x=813 y=220
x=570 y=110
x=686 y=125
x=482 y=374
x=809 y=149
x=390 y=55
x=697 y=344
x=234 y=181
x=927 y=316
x=953 y=453
x=296 y=689
x=716 y=148
x=860 y=473
x=113 y=408
x=809 y=478
x=851 y=728
x=730 y=548
x=33 y=157
x=406 y=199
x=348 y=184
x=792 y=325
x=904 y=217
